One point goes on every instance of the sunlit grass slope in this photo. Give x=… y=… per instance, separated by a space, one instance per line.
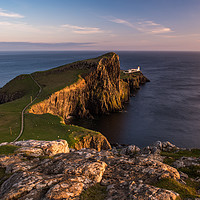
x=43 y=127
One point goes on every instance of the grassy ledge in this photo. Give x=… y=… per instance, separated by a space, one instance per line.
x=46 y=126
x=96 y=192
x=190 y=189
x=8 y=149
x=172 y=156
x=183 y=190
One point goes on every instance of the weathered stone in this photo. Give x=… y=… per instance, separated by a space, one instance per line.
x=159 y=146
x=139 y=191
x=22 y=183
x=49 y=148
x=130 y=150
x=98 y=142
x=67 y=175
x=69 y=189
x=35 y=152
x=186 y=162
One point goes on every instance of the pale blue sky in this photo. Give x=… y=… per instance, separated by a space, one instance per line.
x=100 y=25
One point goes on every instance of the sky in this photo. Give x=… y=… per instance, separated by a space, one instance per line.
x=136 y=25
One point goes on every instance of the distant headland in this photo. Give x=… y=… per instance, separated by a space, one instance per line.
x=82 y=89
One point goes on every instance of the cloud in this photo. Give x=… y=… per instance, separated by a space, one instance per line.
x=42 y=46
x=152 y=27
x=144 y=26
x=121 y=21
x=17 y=26
x=4 y=13
x=82 y=29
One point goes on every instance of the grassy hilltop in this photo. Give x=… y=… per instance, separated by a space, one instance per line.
x=46 y=126
x=106 y=88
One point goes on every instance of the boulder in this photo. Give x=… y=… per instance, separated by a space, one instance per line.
x=49 y=148
x=139 y=191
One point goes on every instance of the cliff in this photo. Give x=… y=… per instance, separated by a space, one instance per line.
x=38 y=170
x=98 y=92
x=83 y=89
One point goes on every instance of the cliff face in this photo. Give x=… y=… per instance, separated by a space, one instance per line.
x=133 y=82
x=98 y=142
x=100 y=92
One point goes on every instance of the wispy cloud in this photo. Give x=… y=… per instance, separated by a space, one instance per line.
x=121 y=21
x=144 y=26
x=18 y=26
x=152 y=27
x=4 y=13
x=42 y=46
x=82 y=29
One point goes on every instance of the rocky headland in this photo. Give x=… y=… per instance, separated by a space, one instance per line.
x=98 y=92
x=83 y=89
x=51 y=170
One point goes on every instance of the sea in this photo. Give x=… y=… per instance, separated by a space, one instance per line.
x=166 y=109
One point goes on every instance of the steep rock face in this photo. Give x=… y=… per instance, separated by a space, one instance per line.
x=98 y=142
x=134 y=82
x=100 y=92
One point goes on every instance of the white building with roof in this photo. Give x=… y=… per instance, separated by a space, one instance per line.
x=132 y=70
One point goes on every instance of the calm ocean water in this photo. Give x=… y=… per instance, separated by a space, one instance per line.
x=167 y=108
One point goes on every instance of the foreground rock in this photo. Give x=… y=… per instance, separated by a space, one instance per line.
x=145 y=192
x=126 y=172
x=40 y=148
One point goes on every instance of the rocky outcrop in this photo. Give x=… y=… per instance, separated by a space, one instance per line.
x=98 y=142
x=99 y=92
x=141 y=191
x=134 y=81
x=40 y=148
x=126 y=172
x=187 y=162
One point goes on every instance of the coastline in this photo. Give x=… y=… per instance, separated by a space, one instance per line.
x=90 y=95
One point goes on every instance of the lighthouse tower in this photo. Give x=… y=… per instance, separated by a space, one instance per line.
x=138 y=69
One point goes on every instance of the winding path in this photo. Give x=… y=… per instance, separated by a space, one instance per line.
x=22 y=114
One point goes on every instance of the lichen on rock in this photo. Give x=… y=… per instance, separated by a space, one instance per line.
x=40 y=148
x=125 y=172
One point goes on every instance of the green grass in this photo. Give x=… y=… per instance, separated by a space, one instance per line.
x=52 y=82
x=46 y=126
x=96 y=192
x=170 y=157
x=183 y=190
x=192 y=171
x=190 y=182
x=189 y=190
x=10 y=113
x=50 y=127
x=7 y=149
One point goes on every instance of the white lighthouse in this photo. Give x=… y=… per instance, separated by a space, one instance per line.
x=138 y=69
